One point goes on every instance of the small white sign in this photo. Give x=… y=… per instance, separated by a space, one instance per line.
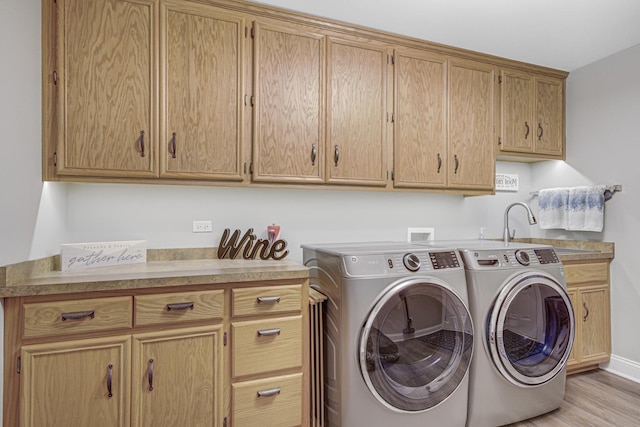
x=101 y=254
x=507 y=182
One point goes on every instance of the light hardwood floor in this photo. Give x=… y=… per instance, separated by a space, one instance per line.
x=594 y=399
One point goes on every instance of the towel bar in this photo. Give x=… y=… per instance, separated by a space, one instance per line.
x=608 y=191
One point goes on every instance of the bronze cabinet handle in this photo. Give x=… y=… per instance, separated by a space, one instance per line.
x=336 y=155
x=526 y=134
x=79 y=315
x=181 y=306
x=150 y=374
x=173 y=146
x=109 y=380
x=439 y=162
x=540 y=131
x=457 y=163
x=586 y=309
x=314 y=154
x=141 y=143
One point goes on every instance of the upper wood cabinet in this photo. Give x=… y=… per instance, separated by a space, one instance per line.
x=104 y=88
x=356 y=113
x=471 y=159
x=420 y=120
x=532 y=119
x=201 y=91
x=288 y=125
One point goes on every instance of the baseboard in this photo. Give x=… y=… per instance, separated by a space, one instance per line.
x=623 y=367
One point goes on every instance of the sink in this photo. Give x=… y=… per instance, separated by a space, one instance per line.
x=572 y=251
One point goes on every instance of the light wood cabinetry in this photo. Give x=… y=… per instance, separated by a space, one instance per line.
x=148 y=358
x=356 y=112
x=202 y=86
x=105 y=93
x=471 y=159
x=420 y=120
x=289 y=84
x=588 y=288
x=532 y=120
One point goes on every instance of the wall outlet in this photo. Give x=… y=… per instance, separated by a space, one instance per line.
x=202 y=227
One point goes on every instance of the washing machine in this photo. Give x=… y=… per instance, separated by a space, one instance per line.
x=524 y=330
x=398 y=334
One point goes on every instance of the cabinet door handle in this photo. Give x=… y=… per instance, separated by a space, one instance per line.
x=78 y=315
x=269 y=392
x=173 y=146
x=150 y=374
x=526 y=134
x=314 y=154
x=181 y=306
x=109 y=380
x=141 y=143
x=457 y=163
x=540 y=131
x=268 y=332
x=439 y=162
x=269 y=300
x=336 y=155
x=586 y=311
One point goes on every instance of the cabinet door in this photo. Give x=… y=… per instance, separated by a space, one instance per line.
x=177 y=378
x=549 y=132
x=106 y=105
x=76 y=383
x=596 y=329
x=471 y=162
x=419 y=148
x=289 y=100
x=201 y=58
x=574 y=357
x=356 y=113
x=518 y=128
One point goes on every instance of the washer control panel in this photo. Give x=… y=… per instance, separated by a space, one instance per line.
x=400 y=262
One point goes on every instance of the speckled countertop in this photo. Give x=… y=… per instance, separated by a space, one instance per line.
x=164 y=267
x=593 y=250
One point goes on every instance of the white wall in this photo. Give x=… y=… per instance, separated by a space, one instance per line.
x=603 y=119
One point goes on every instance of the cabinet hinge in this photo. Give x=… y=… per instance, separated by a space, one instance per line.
x=253 y=32
x=499 y=79
x=224 y=422
x=55 y=159
x=391 y=59
x=499 y=140
x=55 y=78
x=251 y=168
x=19 y=364
x=224 y=339
x=246 y=31
x=393 y=118
x=393 y=176
x=245 y=168
x=253 y=100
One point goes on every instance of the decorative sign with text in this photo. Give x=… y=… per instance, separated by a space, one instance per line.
x=101 y=254
x=249 y=246
x=507 y=182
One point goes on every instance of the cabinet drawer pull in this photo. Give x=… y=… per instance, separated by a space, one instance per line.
x=77 y=315
x=181 y=306
x=269 y=392
x=586 y=309
x=268 y=332
x=109 y=379
x=150 y=374
x=269 y=300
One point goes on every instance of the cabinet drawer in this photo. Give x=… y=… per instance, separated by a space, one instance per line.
x=266 y=345
x=584 y=273
x=273 y=402
x=266 y=300
x=84 y=315
x=179 y=307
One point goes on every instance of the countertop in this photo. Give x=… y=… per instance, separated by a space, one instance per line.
x=593 y=250
x=164 y=267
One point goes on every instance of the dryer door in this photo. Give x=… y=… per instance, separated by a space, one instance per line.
x=415 y=346
x=530 y=329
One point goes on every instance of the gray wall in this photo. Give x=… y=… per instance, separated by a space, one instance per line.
x=35 y=218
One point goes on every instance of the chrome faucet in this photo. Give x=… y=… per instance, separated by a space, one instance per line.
x=532 y=220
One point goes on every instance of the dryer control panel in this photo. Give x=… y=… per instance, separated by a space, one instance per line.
x=400 y=262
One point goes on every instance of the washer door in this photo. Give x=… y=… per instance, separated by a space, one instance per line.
x=530 y=330
x=416 y=344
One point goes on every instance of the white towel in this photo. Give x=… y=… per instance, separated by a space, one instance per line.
x=572 y=208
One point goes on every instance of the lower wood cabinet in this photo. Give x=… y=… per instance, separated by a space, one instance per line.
x=588 y=288
x=147 y=359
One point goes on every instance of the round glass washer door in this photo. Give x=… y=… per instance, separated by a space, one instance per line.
x=531 y=328
x=415 y=346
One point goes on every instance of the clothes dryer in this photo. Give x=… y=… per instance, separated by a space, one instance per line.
x=524 y=330
x=398 y=334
